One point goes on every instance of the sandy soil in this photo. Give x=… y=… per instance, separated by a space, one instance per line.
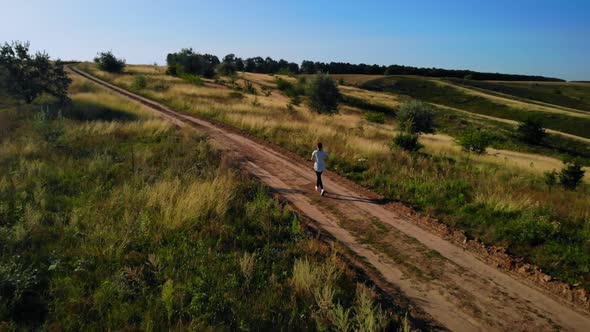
x=452 y=285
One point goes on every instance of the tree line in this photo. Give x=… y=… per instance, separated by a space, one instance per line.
x=187 y=61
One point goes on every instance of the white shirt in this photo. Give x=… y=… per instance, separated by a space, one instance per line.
x=319 y=156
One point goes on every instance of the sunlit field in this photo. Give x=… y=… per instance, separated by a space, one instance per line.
x=111 y=219
x=500 y=197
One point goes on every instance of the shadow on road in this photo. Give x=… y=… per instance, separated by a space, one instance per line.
x=339 y=197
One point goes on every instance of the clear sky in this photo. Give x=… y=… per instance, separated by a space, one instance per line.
x=541 y=37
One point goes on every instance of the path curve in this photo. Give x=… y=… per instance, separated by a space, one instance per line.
x=452 y=285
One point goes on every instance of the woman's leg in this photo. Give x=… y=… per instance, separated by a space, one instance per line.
x=319 y=180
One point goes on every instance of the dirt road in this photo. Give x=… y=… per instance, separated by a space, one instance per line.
x=452 y=285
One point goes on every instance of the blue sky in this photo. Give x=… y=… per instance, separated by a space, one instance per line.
x=541 y=37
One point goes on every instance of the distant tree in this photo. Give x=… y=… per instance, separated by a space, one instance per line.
x=27 y=76
x=323 y=94
x=416 y=117
x=108 y=62
x=188 y=62
x=531 y=131
x=229 y=65
x=475 y=140
x=571 y=175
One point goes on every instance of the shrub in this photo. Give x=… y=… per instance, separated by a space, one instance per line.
x=375 y=117
x=550 y=178
x=296 y=100
x=416 y=117
x=139 y=82
x=323 y=94
x=249 y=88
x=108 y=62
x=407 y=141
x=236 y=95
x=531 y=131
x=193 y=79
x=474 y=140
x=571 y=175
x=289 y=89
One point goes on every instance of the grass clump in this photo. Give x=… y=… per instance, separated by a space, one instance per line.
x=375 y=117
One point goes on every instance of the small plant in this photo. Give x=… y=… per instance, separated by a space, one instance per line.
x=160 y=86
x=139 y=82
x=531 y=131
x=168 y=298
x=193 y=79
x=236 y=95
x=341 y=81
x=550 y=178
x=407 y=141
x=266 y=91
x=571 y=175
x=247 y=264
x=416 y=117
x=296 y=100
x=255 y=102
x=323 y=94
x=375 y=117
x=108 y=62
x=249 y=88
x=474 y=140
x=290 y=107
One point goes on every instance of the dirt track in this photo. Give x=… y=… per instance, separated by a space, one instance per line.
x=452 y=285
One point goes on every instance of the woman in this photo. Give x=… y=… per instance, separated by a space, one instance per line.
x=319 y=158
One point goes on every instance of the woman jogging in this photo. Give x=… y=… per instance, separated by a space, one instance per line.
x=319 y=158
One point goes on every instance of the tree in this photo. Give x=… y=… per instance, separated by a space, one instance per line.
x=416 y=117
x=323 y=94
x=188 y=62
x=475 y=140
x=27 y=76
x=107 y=61
x=571 y=175
x=531 y=131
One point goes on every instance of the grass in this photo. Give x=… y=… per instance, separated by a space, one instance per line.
x=113 y=220
x=576 y=96
x=500 y=204
x=451 y=96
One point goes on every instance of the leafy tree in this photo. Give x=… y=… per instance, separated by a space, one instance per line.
x=571 y=175
x=416 y=117
x=107 y=61
x=323 y=94
x=475 y=140
x=531 y=131
x=27 y=76
x=188 y=62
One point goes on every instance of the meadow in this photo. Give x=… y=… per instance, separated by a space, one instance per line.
x=570 y=95
x=112 y=219
x=490 y=199
x=438 y=92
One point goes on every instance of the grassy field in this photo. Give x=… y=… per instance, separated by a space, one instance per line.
x=570 y=95
x=111 y=219
x=493 y=201
x=452 y=96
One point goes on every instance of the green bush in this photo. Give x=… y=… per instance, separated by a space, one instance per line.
x=108 y=62
x=139 y=82
x=531 y=131
x=249 y=88
x=407 y=141
x=375 y=117
x=193 y=79
x=550 y=178
x=416 y=117
x=475 y=140
x=571 y=175
x=323 y=94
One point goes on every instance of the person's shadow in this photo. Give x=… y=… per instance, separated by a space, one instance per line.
x=339 y=197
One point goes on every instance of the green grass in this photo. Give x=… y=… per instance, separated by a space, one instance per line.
x=450 y=96
x=110 y=220
x=564 y=94
x=500 y=205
